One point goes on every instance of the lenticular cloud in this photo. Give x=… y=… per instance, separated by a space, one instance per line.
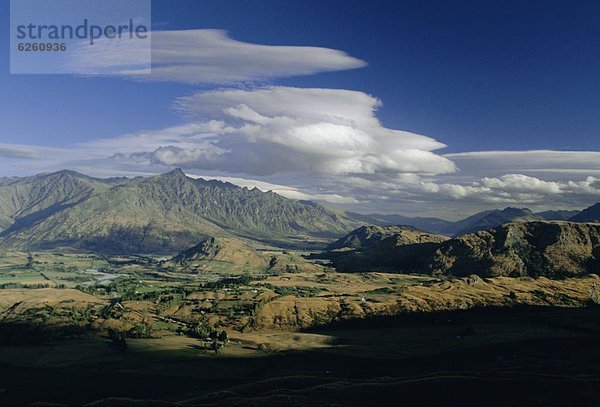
x=280 y=129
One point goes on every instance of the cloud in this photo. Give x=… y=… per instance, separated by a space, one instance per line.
x=206 y=56
x=519 y=183
x=18 y=151
x=557 y=164
x=280 y=129
x=515 y=189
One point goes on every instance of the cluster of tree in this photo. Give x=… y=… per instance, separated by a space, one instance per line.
x=21 y=285
x=211 y=338
x=295 y=291
x=245 y=279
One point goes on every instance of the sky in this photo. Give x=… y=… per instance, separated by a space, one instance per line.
x=429 y=108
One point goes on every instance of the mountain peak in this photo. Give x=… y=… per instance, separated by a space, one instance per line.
x=513 y=210
x=177 y=172
x=491 y=219
x=68 y=173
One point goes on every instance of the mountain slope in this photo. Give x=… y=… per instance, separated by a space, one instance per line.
x=478 y=221
x=591 y=214
x=432 y=225
x=374 y=248
x=540 y=248
x=369 y=236
x=558 y=215
x=25 y=201
x=551 y=249
x=491 y=219
x=171 y=212
x=232 y=255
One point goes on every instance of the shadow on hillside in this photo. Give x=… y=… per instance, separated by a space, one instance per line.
x=493 y=356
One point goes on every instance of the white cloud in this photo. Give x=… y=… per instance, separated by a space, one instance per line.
x=210 y=57
x=282 y=129
x=543 y=163
x=521 y=184
x=515 y=189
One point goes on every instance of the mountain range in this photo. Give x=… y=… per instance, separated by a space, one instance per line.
x=160 y=214
x=171 y=212
x=480 y=221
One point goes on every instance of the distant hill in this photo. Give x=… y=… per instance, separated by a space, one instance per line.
x=591 y=214
x=369 y=236
x=25 y=201
x=433 y=225
x=479 y=221
x=490 y=219
x=558 y=215
x=540 y=248
x=160 y=214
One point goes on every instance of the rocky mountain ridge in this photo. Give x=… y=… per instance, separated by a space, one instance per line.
x=160 y=214
x=555 y=249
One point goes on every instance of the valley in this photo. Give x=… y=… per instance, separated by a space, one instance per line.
x=290 y=331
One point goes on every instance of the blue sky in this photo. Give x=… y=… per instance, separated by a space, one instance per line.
x=474 y=76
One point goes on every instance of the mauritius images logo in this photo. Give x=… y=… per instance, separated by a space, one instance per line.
x=98 y=37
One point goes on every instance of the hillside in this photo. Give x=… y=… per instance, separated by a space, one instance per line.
x=558 y=214
x=551 y=249
x=231 y=255
x=230 y=251
x=429 y=224
x=476 y=222
x=160 y=214
x=491 y=219
x=591 y=214
x=372 y=248
x=368 y=236
x=25 y=201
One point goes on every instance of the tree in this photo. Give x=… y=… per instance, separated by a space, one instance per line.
x=213 y=335
x=140 y=331
x=29 y=261
x=200 y=331
x=223 y=337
